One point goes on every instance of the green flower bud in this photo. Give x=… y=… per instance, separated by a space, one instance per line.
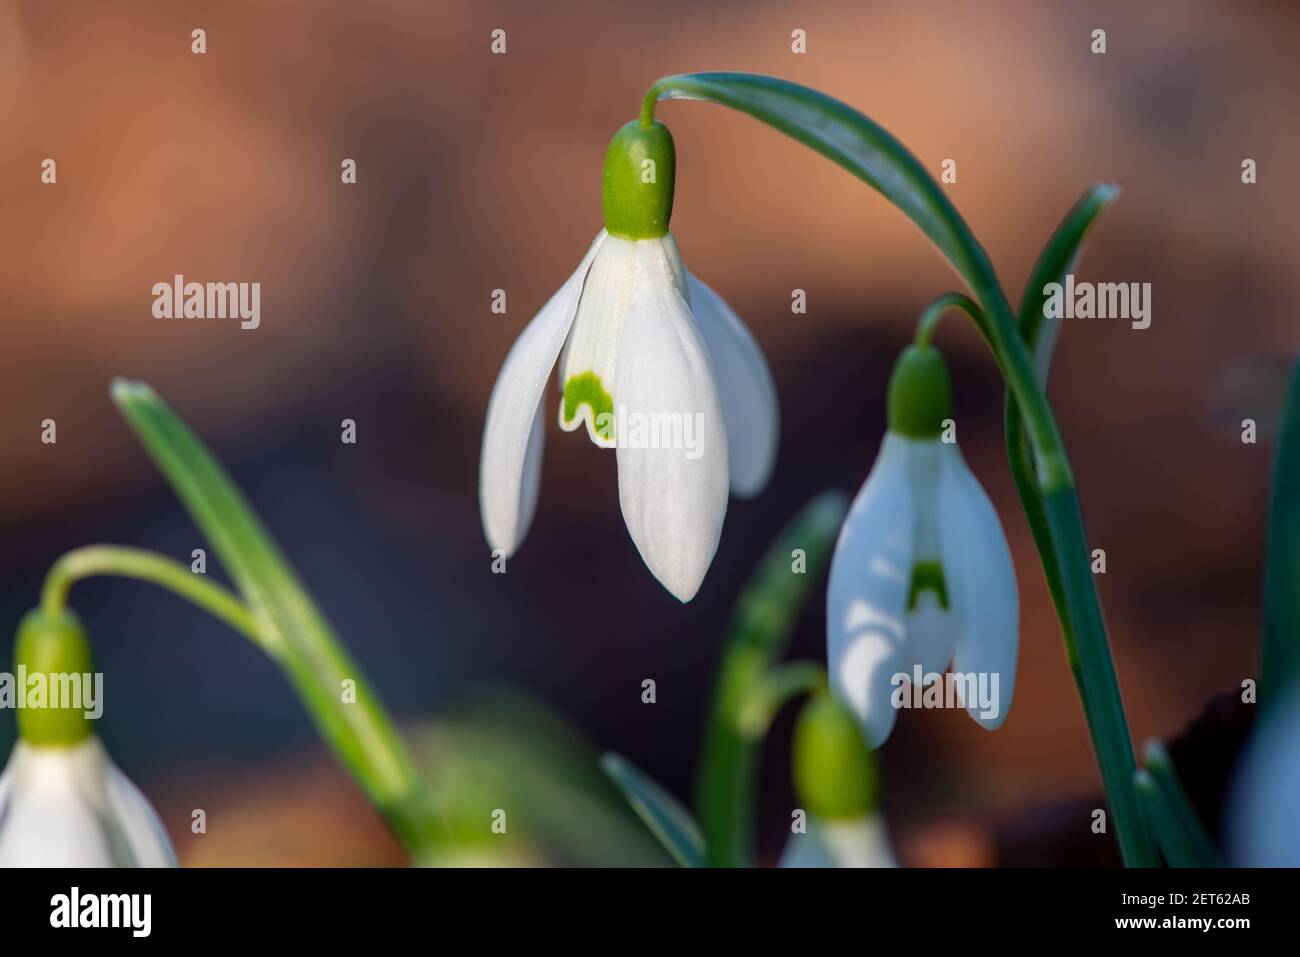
x=640 y=170
x=51 y=647
x=920 y=393
x=834 y=773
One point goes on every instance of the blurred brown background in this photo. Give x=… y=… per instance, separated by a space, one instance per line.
x=478 y=172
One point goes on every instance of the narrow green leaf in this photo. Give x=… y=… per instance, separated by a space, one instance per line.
x=662 y=813
x=1280 y=665
x=757 y=636
x=1177 y=827
x=1057 y=258
x=297 y=634
x=849 y=139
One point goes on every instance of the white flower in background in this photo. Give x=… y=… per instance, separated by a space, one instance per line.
x=654 y=364
x=63 y=803
x=70 y=806
x=1263 y=819
x=860 y=842
x=922 y=574
x=835 y=783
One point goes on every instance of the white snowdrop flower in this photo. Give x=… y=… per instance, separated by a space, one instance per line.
x=70 y=806
x=63 y=802
x=858 y=842
x=922 y=574
x=1263 y=826
x=835 y=782
x=654 y=364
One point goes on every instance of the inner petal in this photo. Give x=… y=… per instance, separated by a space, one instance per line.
x=588 y=363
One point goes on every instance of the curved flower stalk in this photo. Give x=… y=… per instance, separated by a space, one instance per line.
x=63 y=802
x=835 y=780
x=273 y=610
x=654 y=364
x=922 y=573
x=853 y=141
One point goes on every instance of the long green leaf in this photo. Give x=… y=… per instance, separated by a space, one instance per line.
x=1280 y=665
x=861 y=146
x=1057 y=258
x=757 y=636
x=358 y=729
x=849 y=139
x=662 y=813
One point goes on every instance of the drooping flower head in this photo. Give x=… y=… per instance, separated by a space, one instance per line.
x=63 y=802
x=654 y=364
x=922 y=575
x=835 y=783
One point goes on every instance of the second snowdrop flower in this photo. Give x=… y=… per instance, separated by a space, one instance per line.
x=922 y=574
x=63 y=802
x=654 y=364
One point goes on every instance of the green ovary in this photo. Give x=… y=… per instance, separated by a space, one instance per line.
x=927 y=576
x=587 y=389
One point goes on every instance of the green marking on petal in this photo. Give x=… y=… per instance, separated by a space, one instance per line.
x=587 y=389
x=927 y=576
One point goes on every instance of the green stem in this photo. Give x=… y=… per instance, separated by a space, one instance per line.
x=938 y=308
x=146 y=566
x=1177 y=826
x=760 y=629
x=774 y=690
x=861 y=146
x=408 y=806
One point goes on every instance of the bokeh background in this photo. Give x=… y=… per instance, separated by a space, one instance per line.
x=478 y=172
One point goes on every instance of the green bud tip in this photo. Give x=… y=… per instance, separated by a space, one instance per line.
x=51 y=646
x=834 y=773
x=920 y=393
x=640 y=172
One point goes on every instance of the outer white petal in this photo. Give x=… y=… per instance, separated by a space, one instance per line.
x=866 y=599
x=146 y=838
x=672 y=482
x=65 y=807
x=857 y=843
x=745 y=386
x=513 y=435
x=981 y=586
x=1262 y=820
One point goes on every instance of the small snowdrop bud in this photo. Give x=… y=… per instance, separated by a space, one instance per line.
x=834 y=773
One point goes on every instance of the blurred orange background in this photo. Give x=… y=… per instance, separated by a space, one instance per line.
x=476 y=172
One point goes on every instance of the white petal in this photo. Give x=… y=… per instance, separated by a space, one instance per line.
x=1263 y=826
x=866 y=599
x=513 y=435
x=672 y=443
x=72 y=807
x=50 y=815
x=981 y=587
x=589 y=364
x=146 y=838
x=745 y=386
x=931 y=634
x=861 y=842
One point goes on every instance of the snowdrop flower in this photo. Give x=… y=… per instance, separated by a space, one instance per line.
x=1263 y=827
x=653 y=364
x=63 y=803
x=922 y=574
x=835 y=780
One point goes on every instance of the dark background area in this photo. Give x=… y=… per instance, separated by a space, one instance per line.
x=478 y=172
